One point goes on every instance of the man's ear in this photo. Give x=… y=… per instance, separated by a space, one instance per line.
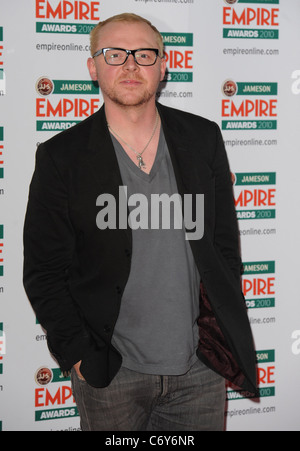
x=92 y=69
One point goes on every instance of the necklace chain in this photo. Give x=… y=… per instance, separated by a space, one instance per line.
x=139 y=157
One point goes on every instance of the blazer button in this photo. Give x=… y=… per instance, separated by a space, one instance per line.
x=107 y=329
x=119 y=290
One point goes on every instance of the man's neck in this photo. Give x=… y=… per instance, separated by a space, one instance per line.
x=127 y=120
x=137 y=129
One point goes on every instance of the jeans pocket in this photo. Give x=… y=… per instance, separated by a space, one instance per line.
x=76 y=375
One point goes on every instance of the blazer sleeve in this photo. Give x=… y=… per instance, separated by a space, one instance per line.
x=226 y=227
x=49 y=245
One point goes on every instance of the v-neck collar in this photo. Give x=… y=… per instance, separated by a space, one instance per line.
x=161 y=149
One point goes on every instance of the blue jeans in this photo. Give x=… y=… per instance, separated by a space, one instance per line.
x=134 y=401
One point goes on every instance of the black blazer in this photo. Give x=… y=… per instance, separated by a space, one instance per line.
x=75 y=274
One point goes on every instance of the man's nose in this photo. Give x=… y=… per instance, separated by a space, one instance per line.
x=130 y=63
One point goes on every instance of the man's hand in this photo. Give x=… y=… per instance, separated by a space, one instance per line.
x=77 y=369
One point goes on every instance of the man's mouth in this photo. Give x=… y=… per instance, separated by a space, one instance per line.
x=131 y=82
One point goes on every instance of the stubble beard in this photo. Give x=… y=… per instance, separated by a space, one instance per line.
x=128 y=101
x=132 y=103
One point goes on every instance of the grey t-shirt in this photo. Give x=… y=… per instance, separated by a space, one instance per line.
x=156 y=331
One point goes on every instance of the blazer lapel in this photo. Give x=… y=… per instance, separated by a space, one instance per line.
x=101 y=153
x=177 y=148
x=103 y=163
x=193 y=176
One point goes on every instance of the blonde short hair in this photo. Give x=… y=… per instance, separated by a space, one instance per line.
x=126 y=17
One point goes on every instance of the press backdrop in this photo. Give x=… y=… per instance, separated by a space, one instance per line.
x=235 y=62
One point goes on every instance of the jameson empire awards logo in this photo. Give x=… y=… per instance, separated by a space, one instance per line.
x=265 y=378
x=243 y=107
x=179 y=56
x=255 y=195
x=258 y=284
x=66 y=17
x=241 y=22
x=53 y=397
x=63 y=103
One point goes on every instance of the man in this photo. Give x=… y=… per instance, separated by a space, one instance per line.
x=120 y=299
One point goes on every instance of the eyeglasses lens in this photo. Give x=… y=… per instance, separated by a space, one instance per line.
x=115 y=57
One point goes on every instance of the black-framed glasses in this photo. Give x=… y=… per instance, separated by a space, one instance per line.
x=118 y=57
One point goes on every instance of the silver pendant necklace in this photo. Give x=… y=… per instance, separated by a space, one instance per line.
x=139 y=157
